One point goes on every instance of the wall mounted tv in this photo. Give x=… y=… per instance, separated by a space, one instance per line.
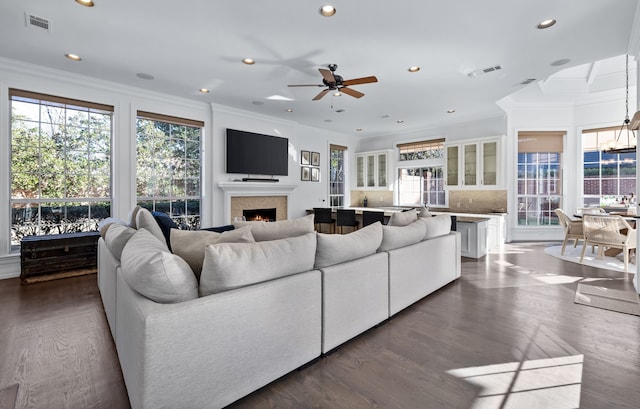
x=257 y=154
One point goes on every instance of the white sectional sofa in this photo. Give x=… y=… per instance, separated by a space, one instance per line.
x=209 y=350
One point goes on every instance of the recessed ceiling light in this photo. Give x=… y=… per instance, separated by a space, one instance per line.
x=73 y=57
x=258 y=103
x=358 y=129
x=558 y=63
x=450 y=111
x=204 y=90
x=328 y=120
x=248 y=61
x=289 y=110
x=414 y=69
x=144 y=76
x=327 y=10
x=399 y=121
x=546 y=23
x=86 y=3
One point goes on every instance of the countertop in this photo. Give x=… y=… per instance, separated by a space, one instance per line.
x=460 y=219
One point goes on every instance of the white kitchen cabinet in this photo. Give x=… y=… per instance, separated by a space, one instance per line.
x=473 y=236
x=372 y=170
x=474 y=164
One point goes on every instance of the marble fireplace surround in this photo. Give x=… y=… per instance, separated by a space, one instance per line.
x=255 y=195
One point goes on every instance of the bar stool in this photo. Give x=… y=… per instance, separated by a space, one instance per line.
x=370 y=217
x=322 y=215
x=347 y=217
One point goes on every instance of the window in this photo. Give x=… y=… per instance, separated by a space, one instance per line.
x=60 y=164
x=609 y=178
x=336 y=175
x=539 y=177
x=168 y=167
x=421 y=180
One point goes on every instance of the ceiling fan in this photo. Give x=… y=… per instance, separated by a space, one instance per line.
x=334 y=82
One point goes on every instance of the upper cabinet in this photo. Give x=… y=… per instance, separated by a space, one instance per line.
x=372 y=170
x=474 y=164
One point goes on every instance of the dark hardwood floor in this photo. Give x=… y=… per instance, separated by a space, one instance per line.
x=506 y=335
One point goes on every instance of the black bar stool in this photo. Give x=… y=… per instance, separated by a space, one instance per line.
x=347 y=217
x=322 y=215
x=370 y=217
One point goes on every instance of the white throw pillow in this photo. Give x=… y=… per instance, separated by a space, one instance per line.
x=151 y=270
x=231 y=265
x=424 y=212
x=281 y=229
x=394 y=237
x=190 y=244
x=338 y=248
x=145 y=220
x=403 y=218
x=116 y=237
x=437 y=225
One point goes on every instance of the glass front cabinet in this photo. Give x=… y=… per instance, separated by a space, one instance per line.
x=372 y=170
x=474 y=164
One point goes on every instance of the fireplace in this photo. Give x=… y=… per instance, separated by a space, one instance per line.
x=264 y=215
x=239 y=196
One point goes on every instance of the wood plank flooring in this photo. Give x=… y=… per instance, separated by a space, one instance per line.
x=507 y=332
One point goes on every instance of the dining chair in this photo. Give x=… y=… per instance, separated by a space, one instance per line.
x=346 y=217
x=322 y=215
x=607 y=231
x=572 y=229
x=371 y=216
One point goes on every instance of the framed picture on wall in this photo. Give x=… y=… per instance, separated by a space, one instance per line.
x=315 y=158
x=315 y=175
x=304 y=158
x=305 y=173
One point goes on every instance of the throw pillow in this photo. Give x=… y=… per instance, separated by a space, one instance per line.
x=338 y=248
x=132 y=216
x=145 y=220
x=116 y=237
x=190 y=244
x=424 y=212
x=403 y=218
x=233 y=265
x=281 y=229
x=220 y=229
x=437 y=225
x=155 y=273
x=103 y=224
x=394 y=237
x=165 y=223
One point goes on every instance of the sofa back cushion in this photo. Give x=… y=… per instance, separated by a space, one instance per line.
x=281 y=229
x=116 y=236
x=403 y=218
x=439 y=225
x=145 y=220
x=232 y=265
x=338 y=248
x=190 y=244
x=151 y=270
x=394 y=237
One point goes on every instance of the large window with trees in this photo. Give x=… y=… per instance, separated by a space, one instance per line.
x=421 y=173
x=336 y=175
x=60 y=164
x=168 y=166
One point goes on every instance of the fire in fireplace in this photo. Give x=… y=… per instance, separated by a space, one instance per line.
x=265 y=215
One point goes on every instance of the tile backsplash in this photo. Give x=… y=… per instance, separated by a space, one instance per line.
x=465 y=201
x=375 y=198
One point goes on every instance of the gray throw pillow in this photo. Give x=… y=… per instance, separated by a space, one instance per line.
x=145 y=220
x=439 y=225
x=151 y=270
x=403 y=218
x=231 y=265
x=116 y=237
x=394 y=237
x=190 y=244
x=424 y=212
x=338 y=248
x=281 y=229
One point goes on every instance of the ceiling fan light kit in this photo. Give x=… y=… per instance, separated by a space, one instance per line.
x=335 y=82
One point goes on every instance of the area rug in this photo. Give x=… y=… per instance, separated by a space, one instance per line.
x=573 y=255
x=8 y=397
x=625 y=301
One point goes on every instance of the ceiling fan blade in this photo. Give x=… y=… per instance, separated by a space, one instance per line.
x=321 y=94
x=363 y=80
x=306 y=85
x=352 y=92
x=327 y=75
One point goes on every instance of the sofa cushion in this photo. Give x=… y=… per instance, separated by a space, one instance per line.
x=231 y=265
x=281 y=229
x=116 y=236
x=165 y=223
x=190 y=244
x=338 y=248
x=145 y=220
x=394 y=237
x=424 y=212
x=403 y=218
x=151 y=270
x=439 y=225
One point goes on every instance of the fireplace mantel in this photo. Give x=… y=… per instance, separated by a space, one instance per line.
x=235 y=189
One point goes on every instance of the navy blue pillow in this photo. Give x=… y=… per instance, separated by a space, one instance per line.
x=220 y=229
x=166 y=224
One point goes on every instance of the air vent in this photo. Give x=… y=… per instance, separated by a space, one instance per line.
x=484 y=71
x=340 y=110
x=527 y=81
x=39 y=23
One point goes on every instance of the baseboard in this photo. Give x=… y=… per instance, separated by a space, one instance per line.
x=9 y=267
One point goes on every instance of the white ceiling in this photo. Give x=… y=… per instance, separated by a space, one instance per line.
x=191 y=44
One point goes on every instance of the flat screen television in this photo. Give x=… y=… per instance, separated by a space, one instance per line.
x=257 y=154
